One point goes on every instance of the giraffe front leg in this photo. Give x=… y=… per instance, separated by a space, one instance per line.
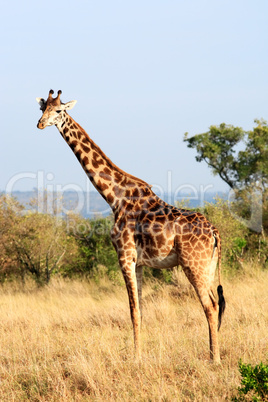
x=129 y=274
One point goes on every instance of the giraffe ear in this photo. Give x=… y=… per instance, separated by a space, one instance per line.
x=68 y=105
x=40 y=101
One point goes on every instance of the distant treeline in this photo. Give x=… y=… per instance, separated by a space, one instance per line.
x=91 y=204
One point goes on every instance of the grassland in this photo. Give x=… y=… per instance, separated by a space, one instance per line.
x=72 y=341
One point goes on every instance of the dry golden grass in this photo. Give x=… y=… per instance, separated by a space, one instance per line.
x=72 y=341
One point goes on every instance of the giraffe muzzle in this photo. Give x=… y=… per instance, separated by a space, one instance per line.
x=40 y=125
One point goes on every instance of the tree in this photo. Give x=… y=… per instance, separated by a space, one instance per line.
x=36 y=244
x=253 y=161
x=240 y=158
x=238 y=169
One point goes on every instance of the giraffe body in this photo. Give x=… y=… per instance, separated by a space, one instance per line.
x=147 y=231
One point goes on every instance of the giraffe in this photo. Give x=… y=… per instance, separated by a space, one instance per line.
x=147 y=231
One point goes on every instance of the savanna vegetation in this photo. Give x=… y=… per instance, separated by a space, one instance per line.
x=72 y=341
x=40 y=246
x=65 y=328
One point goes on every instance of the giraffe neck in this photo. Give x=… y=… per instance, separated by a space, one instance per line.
x=111 y=182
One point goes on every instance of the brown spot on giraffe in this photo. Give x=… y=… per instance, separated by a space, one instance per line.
x=118 y=177
x=85 y=161
x=107 y=171
x=110 y=198
x=104 y=186
x=85 y=149
x=146 y=231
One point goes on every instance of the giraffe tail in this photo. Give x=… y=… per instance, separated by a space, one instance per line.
x=221 y=301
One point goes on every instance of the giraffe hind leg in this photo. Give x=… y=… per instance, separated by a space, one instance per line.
x=139 y=270
x=211 y=311
x=210 y=307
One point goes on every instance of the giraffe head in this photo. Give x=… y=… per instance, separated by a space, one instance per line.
x=52 y=109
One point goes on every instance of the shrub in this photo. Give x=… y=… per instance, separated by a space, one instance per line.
x=32 y=244
x=254 y=383
x=233 y=233
x=96 y=252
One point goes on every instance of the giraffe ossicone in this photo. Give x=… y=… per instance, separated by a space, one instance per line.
x=147 y=231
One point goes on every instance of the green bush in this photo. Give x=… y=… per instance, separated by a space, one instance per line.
x=254 y=383
x=97 y=256
x=32 y=244
x=233 y=233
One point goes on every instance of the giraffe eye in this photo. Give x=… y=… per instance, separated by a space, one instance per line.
x=58 y=111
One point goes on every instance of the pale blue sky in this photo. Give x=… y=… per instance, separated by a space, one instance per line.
x=143 y=73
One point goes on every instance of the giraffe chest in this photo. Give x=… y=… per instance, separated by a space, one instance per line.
x=151 y=243
x=155 y=246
